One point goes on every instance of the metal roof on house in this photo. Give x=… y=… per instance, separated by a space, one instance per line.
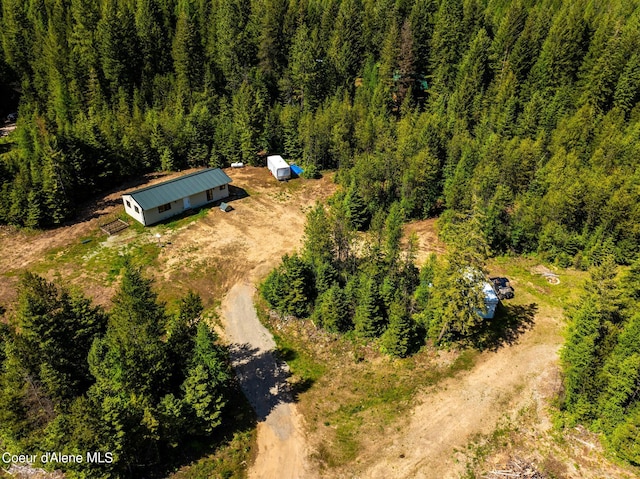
x=178 y=188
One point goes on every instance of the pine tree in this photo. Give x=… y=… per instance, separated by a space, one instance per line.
x=205 y=388
x=369 y=316
x=400 y=337
x=331 y=311
x=579 y=360
x=346 y=43
x=187 y=56
x=393 y=233
x=326 y=276
x=318 y=243
x=356 y=208
x=458 y=297
x=446 y=44
x=54 y=332
x=245 y=119
x=132 y=356
x=306 y=64
x=627 y=91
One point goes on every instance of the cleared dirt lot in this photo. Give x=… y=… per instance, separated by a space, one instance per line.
x=207 y=253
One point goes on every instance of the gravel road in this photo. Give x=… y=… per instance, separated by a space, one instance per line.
x=282 y=448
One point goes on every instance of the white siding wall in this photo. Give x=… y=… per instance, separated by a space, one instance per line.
x=131 y=209
x=153 y=215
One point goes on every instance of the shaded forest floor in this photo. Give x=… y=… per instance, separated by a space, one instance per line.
x=436 y=414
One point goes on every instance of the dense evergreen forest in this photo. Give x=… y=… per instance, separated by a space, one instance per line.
x=517 y=121
x=147 y=387
x=524 y=109
x=601 y=359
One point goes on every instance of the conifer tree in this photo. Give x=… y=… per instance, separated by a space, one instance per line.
x=356 y=208
x=331 y=310
x=132 y=356
x=346 y=43
x=205 y=388
x=579 y=358
x=369 y=316
x=54 y=331
x=400 y=337
x=458 y=296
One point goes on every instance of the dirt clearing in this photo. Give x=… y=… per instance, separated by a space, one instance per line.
x=208 y=252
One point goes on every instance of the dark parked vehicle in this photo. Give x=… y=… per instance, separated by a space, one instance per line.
x=502 y=288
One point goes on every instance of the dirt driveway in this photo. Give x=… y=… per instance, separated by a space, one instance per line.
x=282 y=451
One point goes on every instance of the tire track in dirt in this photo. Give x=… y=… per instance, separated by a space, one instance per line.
x=282 y=449
x=448 y=418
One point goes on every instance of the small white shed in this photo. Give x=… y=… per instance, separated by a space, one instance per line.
x=279 y=168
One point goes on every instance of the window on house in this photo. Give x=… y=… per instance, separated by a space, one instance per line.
x=223 y=187
x=163 y=208
x=128 y=204
x=137 y=209
x=209 y=195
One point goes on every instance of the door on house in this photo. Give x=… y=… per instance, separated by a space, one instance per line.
x=187 y=203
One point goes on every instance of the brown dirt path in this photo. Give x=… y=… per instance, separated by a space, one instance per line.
x=446 y=420
x=282 y=449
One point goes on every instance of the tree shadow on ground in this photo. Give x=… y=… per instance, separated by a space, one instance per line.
x=94 y=206
x=265 y=378
x=509 y=323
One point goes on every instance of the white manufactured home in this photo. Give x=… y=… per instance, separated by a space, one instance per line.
x=158 y=202
x=279 y=168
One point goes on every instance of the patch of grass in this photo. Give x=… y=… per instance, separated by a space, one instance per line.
x=73 y=253
x=230 y=461
x=110 y=261
x=302 y=363
x=482 y=446
x=94 y=260
x=357 y=392
x=188 y=218
x=522 y=269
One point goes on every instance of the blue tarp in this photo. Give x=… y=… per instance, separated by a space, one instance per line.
x=296 y=170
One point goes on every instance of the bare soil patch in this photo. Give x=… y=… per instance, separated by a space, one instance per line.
x=428 y=241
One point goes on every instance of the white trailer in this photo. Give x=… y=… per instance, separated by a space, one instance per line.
x=278 y=167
